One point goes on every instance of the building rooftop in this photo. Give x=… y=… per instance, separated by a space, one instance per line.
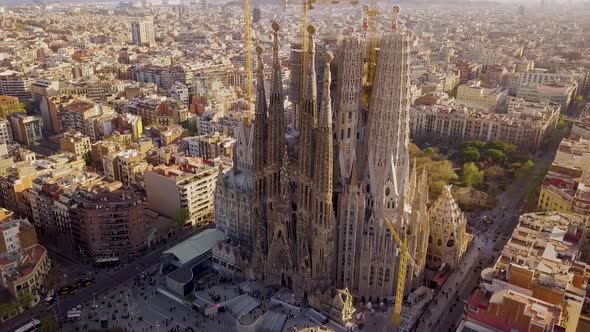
x=79 y=106
x=196 y=246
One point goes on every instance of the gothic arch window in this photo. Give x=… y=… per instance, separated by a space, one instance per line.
x=387 y=273
x=380 y=276
x=451 y=243
x=371 y=275
x=439 y=242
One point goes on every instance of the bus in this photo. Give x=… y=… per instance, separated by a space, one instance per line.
x=30 y=326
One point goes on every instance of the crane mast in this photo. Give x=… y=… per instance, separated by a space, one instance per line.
x=371 y=12
x=248 y=46
x=404 y=258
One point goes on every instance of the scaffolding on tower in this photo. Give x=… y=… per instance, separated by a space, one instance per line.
x=370 y=13
x=306 y=7
x=249 y=50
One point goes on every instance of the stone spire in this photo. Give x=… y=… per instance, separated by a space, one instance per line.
x=326 y=111
x=323 y=137
x=285 y=177
x=261 y=107
x=277 y=77
x=260 y=118
x=259 y=165
x=310 y=92
x=309 y=113
x=276 y=116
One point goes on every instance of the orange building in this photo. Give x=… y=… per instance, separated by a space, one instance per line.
x=537 y=283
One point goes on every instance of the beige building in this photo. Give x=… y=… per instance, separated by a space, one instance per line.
x=566 y=186
x=26 y=129
x=75 y=142
x=188 y=185
x=23 y=262
x=126 y=166
x=5 y=132
x=527 y=125
x=581 y=127
x=473 y=95
x=9 y=105
x=209 y=146
x=538 y=270
x=558 y=93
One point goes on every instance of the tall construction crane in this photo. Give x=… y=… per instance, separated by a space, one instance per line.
x=404 y=258
x=249 y=50
x=370 y=13
x=306 y=6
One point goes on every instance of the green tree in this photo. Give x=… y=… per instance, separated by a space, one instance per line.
x=25 y=300
x=469 y=154
x=495 y=155
x=49 y=324
x=181 y=217
x=472 y=176
x=525 y=169
x=502 y=146
x=478 y=145
x=414 y=151
x=19 y=108
x=495 y=173
x=440 y=173
x=430 y=151
x=87 y=158
x=8 y=309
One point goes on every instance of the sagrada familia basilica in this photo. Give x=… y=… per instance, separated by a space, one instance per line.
x=307 y=204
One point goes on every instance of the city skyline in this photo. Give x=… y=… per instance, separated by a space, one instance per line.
x=269 y=166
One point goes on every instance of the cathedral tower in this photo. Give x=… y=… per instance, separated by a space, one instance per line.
x=380 y=190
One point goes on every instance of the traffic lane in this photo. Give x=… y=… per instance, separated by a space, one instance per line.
x=104 y=281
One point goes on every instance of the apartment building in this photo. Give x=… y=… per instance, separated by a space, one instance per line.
x=188 y=185
x=24 y=264
x=13 y=183
x=566 y=186
x=75 y=142
x=9 y=105
x=75 y=116
x=538 y=76
x=146 y=108
x=527 y=125
x=107 y=222
x=537 y=283
x=26 y=129
x=495 y=75
x=5 y=132
x=467 y=71
x=581 y=129
x=127 y=166
x=15 y=84
x=142 y=32
x=129 y=123
x=209 y=146
x=473 y=95
x=558 y=93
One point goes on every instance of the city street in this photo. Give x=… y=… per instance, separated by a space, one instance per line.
x=447 y=307
x=137 y=306
x=104 y=281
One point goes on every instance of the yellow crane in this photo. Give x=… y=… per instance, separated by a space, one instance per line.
x=347 y=308
x=306 y=6
x=404 y=258
x=249 y=50
x=371 y=12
